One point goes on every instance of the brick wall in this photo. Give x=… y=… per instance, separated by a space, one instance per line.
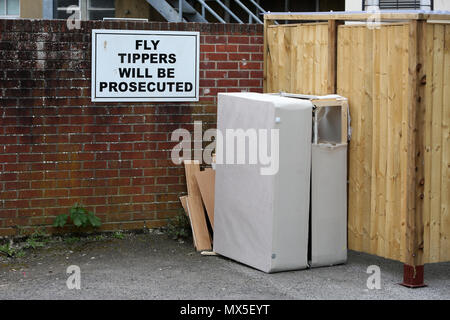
x=58 y=148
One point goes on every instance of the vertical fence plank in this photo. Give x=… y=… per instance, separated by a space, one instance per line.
x=420 y=141
x=332 y=56
x=384 y=151
x=445 y=164
x=436 y=143
x=267 y=69
x=429 y=67
x=408 y=148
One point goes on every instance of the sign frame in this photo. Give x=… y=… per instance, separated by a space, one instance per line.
x=94 y=98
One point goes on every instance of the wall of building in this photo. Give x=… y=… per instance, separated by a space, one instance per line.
x=31 y=9
x=353 y=5
x=442 y=5
x=57 y=148
x=356 y=5
x=133 y=9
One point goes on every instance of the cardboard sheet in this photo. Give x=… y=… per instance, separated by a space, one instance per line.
x=206 y=183
x=183 y=201
x=202 y=238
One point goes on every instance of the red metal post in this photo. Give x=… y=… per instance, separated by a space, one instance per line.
x=413 y=276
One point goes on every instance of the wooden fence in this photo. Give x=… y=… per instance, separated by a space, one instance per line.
x=397 y=79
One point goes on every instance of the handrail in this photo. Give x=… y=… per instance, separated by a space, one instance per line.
x=262 y=11
x=251 y=14
x=204 y=5
x=229 y=11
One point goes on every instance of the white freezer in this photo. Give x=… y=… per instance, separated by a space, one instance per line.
x=262 y=221
x=329 y=205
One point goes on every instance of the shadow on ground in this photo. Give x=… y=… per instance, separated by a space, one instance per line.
x=151 y=266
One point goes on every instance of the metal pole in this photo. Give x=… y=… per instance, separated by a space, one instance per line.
x=180 y=10
x=227 y=5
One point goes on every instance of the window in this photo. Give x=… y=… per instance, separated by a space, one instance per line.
x=99 y=9
x=10 y=8
x=399 y=4
x=89 y=9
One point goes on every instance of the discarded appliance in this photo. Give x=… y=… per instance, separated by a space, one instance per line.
x=288 y=218
x=268 y=221
x=262 y=220
x=328 y=231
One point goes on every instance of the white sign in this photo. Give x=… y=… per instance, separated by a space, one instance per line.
x=145 y=65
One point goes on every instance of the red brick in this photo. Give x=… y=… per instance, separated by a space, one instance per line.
x=107 y=156
x=5 y=214
x=207 y=48
x=250 y=65
x=121 y=147
x=56 y=193
x=257 y=40
x=227 y=65
x=106 y=138
x=238 y=39
x=81 y=138
x=216 y=57
x=238 y=74
x=215 y=74
x=249 y=83
x=31 y=157
x=29 y=194
x=215 y=39
x=250 y=48
x=227 y=82
x=130 y=190
x=226 y=48
x=22 y=213
x=95 y=147
x=132 y=155
x=238 y=56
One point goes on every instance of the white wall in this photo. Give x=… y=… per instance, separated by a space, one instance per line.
x=356 y=5
x=353 y=5
x=442 y=5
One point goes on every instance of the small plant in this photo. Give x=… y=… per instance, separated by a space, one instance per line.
x=80 y=217
x=38 y=239
x=34 y=243
x=118 y=235
x=8 y=250
x=179 y=227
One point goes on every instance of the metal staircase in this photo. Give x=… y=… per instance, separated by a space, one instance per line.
x=184 y=11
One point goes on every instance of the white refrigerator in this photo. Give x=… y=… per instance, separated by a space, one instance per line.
x=262 y=209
